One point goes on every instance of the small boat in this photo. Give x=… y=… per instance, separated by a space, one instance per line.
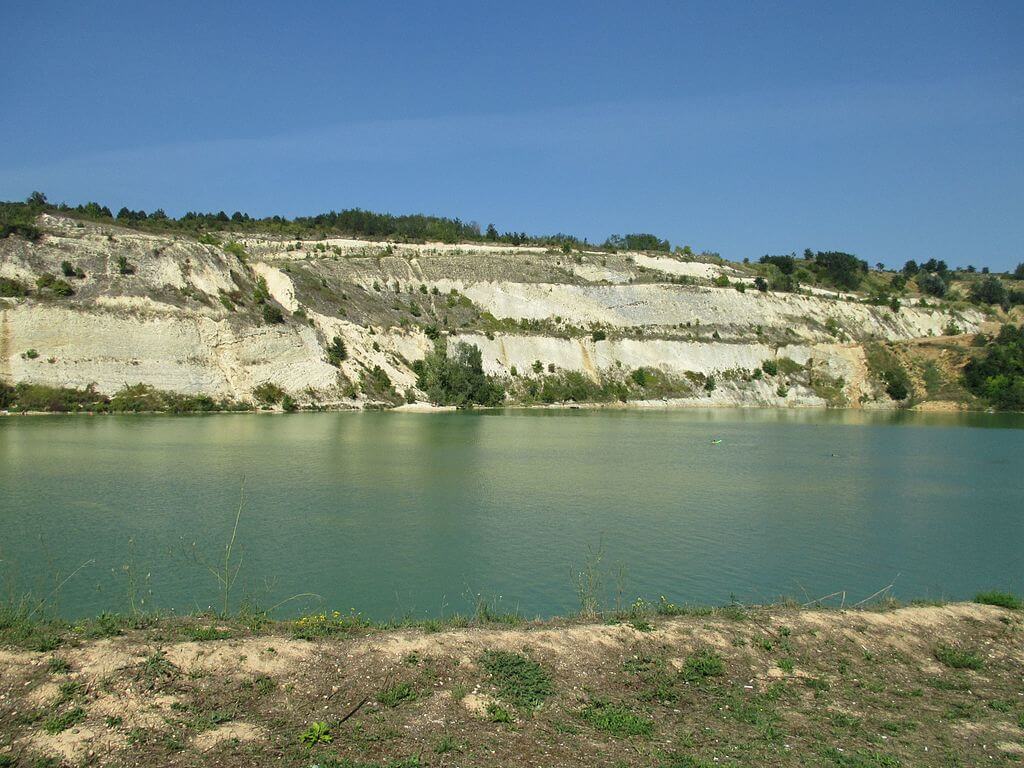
x=716 y=442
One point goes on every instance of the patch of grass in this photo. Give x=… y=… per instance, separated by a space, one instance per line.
x=758 y=711
x=642 y=625
x=58 y=666
x=200 y=634
x=156 y=667
x=680 y=760
x=959 y=658
x=20 y=627
x=616 y=719
x=325 y=624
x=701 y=664
x=69 y=689
x=1002 y=599
x=207 y=721
x=519 y=680
x=447 y=743
x=413 y=761
x=817 y=684
x=861 y=758
x=397 y=694
x=105 y=625
x=64 y=720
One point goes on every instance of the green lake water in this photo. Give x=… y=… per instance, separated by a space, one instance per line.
x=397 y=514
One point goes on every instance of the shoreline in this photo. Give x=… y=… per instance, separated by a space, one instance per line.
x=639 y=405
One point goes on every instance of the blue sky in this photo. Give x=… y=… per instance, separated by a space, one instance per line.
x=891 y=130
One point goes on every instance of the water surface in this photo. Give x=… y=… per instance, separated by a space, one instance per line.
x=414 y=514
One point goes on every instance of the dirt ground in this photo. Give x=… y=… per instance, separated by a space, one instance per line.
x=938 y=685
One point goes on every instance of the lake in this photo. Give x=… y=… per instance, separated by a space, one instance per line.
x=405 y=514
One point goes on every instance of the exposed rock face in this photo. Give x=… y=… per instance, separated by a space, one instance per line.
x=185 y=316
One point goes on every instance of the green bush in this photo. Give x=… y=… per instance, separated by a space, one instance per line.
x=268 y=393
x=886 y=367
x=988 y=290
x=931 y=284
x=843 y=270
x=11 y=288
x=770 y=367
x=997 y=374
x=337 y=352
x=458 y=378
x=272 y=314
x=236 y=249
x=376 y=385
x=19 y=219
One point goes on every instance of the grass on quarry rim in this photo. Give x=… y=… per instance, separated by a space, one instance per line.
x=616 y=719
x=519 y=680
x=959 y=658
x=1001 y=599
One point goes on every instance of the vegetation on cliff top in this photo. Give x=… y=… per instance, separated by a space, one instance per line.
x=19 y=218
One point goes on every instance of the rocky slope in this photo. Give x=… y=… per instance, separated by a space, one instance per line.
x=188 y=316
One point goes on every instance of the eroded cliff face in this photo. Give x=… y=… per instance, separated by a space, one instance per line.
x=185 y=316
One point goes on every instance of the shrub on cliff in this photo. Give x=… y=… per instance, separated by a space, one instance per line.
x=272 y=315
x=47 y=282
x=887 y=368
x=931 y=284
x=337 y=352
x=457 y=379
x=997 y=374
x=11 y=288
x=375 y=384
x=268 y=393
x=19 y=219
x=843 y=270
x=988 y=290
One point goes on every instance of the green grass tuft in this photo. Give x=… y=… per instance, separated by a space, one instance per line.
x=1002 y=599
x=63 y=721
x=519 y=680
x=959 y=658
x=616 y=719
x=397 y=694
x=702 y=664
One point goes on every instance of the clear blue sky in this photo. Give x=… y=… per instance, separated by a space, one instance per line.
x=892 y=130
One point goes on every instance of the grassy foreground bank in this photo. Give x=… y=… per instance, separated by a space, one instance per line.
x=908 y=686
